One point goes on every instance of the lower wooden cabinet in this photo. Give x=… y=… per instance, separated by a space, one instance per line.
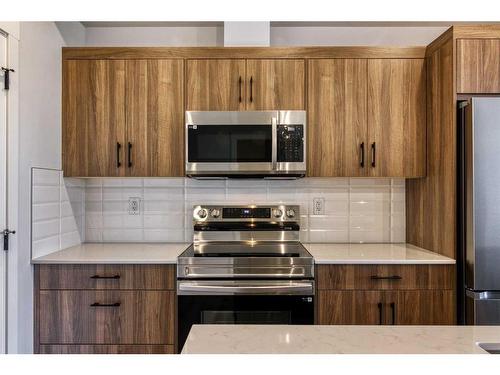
x=107 y=349
x=416 y=307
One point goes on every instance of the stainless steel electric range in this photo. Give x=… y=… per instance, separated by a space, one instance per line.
x=246 y=266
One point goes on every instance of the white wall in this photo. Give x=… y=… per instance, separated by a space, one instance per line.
x=183 y=36
x=351 y=36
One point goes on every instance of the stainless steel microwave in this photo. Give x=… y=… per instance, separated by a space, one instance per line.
x=268 y=144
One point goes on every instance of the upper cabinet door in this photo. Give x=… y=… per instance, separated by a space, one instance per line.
x=155 y=118
x=215 y=85
x=337 y=99
x=478 y=66
x=93 y=118
x=276 y=84
x=396 y=117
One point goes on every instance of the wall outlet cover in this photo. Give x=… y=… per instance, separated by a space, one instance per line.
x=319 y=206
x=134 y=206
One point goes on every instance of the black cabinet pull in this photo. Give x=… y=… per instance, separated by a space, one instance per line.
x=118 y=148
x=251 y=89
x=97 y=304
x=373 y=154
x=97 y=277
x=362 y=147
x=239 y=83
x=379 y=305
x=129 y=155
x=393 y=277
x=393 y=312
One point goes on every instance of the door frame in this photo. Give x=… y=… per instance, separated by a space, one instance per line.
x=10 y=30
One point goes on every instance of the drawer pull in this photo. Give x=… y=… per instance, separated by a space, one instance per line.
x=97 y=304
x=393 y=277
x=97 y=277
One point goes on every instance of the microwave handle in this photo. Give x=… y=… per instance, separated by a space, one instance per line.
x=274 y=130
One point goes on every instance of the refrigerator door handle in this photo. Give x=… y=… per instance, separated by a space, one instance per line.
x=483 y=295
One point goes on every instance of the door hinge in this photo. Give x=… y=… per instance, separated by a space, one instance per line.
x=6 y=77
x=6 y=233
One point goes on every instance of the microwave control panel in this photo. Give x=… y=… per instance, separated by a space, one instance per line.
x=290 y=143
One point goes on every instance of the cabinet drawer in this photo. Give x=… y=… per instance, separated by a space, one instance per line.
x=106 y=349
x=106 y=317
x=381 y=277
x=107 y=276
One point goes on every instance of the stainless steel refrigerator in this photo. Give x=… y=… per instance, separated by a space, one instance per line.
x=478 y=223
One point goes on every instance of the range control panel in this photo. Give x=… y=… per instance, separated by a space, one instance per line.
x=251 y=213
x=290 y=143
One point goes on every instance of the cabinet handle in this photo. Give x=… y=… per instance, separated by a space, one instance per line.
x=118 y=148
x=239 y=83
x=373 y=154
x=362 y=147
x=97 y=277
x=379 y=305
x=393 y=312
x=251 y=89
x=393 y=277
x=97 y=304
x=129 y=155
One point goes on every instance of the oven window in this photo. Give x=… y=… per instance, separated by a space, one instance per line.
x=245 y=317
x=229 y=143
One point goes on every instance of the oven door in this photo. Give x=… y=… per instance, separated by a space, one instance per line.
x=225 y=143
x=271 y=304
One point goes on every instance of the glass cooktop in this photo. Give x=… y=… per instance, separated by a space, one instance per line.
x=247 y=249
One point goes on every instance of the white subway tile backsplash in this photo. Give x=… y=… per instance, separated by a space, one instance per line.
x=355 y=210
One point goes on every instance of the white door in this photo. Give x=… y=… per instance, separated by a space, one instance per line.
x=3 y=193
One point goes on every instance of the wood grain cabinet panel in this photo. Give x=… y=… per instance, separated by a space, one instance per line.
x=215 y=85
x=337 y=123
x=381 y=277
x=417 y=307
x=397 y=117
x=350 y=307
x=155 y=118
x=478 y=66
x=106 y=317
x=107 y=349
x=93 y=117
x=275 y=84
x=107 y=276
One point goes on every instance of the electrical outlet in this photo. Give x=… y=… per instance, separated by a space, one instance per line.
x=134 y=206
x=319 y=206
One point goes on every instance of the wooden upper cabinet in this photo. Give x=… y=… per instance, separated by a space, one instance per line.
x=93 y=117
x=123 y=118
x=337 y=95
x=275 y=84
x=396 y=117
x=478 y=66
x=215 y=85
x=154 y=118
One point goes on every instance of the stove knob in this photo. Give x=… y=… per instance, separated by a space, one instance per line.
x=290 y=213
x=202 y=213
x=277 y=213
x=215 y=213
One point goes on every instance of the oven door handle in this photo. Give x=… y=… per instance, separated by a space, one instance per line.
x=274 y=143
x=199 y=288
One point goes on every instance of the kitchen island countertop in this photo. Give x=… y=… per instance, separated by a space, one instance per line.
x=316 y=339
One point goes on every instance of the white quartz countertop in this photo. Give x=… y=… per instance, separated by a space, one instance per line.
x=294 y=339
x=382 y=253
x=117 y=253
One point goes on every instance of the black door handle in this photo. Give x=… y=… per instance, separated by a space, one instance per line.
x=129 y=155
x=373 y=154
x=118 y=148
x=97 y=277
x=97 y=304
x=393 y=277
x=379 y=305
x=362 y=147
x=393 y=312
x=239 y=83
x=251 y=89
